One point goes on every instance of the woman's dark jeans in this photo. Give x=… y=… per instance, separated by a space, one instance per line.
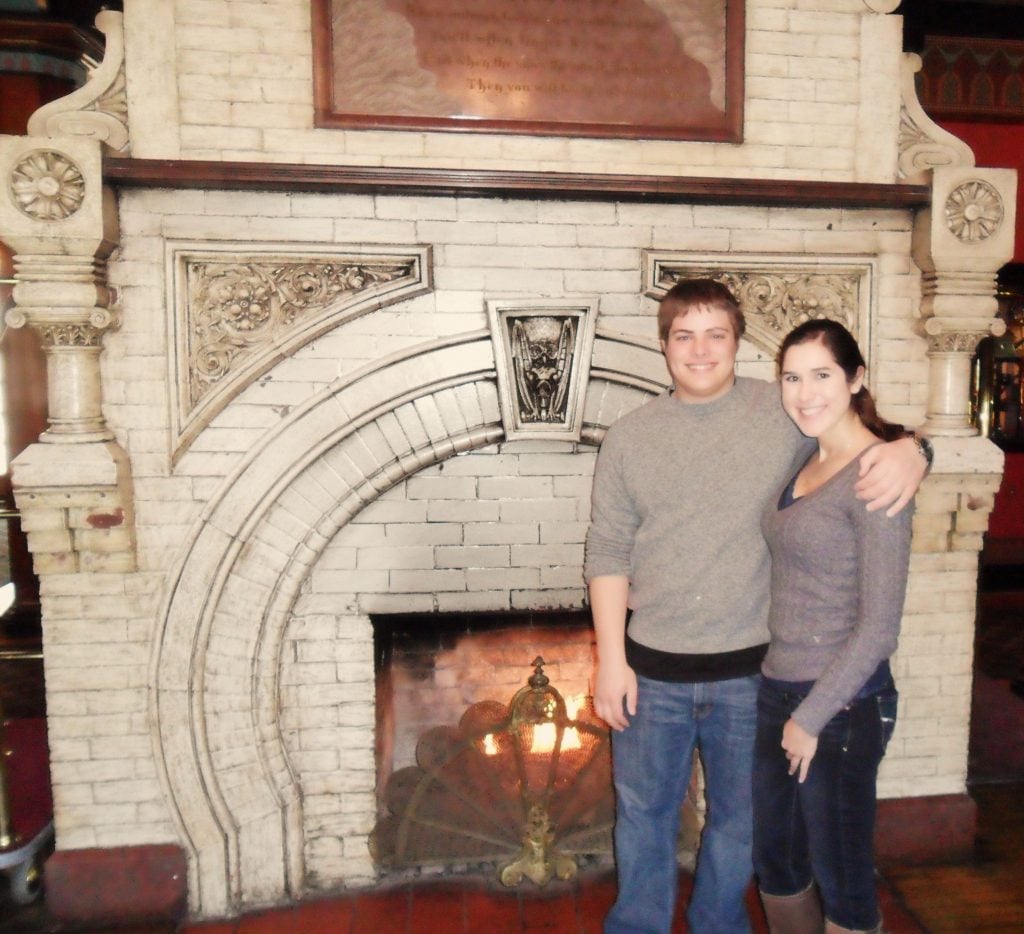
x=821 y=830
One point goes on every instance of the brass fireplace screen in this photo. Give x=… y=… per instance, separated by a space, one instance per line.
x=526 y=786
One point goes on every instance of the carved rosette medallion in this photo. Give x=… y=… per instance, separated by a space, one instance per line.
x=47 y=186
x=240 y=309
x=974 y=211
x=781 y=301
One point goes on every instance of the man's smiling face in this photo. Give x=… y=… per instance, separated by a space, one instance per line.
x=700 y=352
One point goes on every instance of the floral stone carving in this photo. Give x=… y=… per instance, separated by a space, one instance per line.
x=974 y=211
x=238 y=309
x=778 y=302
x=47 y=186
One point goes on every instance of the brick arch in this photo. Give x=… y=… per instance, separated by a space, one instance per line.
x=216 y=654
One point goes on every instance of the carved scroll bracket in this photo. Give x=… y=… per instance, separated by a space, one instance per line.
x=99 y=109
x=923 y=144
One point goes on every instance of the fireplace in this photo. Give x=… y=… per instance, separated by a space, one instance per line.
x=369 y=437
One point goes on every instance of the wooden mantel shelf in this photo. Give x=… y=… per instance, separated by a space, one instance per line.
x=265 y=176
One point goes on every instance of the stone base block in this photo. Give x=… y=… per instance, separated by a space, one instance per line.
x=117 y=887
x=923 y=830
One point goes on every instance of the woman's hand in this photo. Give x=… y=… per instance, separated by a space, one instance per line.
x=800 y=748
x=615 y=681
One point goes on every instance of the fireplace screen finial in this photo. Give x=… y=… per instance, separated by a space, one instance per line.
x=526 y=786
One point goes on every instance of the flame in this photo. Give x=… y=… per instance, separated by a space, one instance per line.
x=544 y=733
x=490 y=746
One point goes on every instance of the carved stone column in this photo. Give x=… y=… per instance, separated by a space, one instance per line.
x=73 y=487
x=959 y=243
x=61 y=225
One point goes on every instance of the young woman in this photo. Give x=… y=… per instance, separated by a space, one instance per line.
x=827 y=705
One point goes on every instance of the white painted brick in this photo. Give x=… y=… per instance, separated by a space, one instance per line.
x=460 y=511
x=555 y=577
x=220 y=39
x=265 y=114
x=393 y=557
x=218 y=88
x=500 y=578
x=527 y=511
x=548 y=599
x=398 y=603
x=547 y=555
x=472 y=556
x=501 y=533
x=203 y=12
x=477 y=601
x=516 y=488
x=427 y=581
x=562 y=532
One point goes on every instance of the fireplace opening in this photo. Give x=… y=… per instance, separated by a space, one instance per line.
x=429 y=668
x=489 y=752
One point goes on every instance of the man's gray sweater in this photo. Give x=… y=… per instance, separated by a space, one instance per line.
x=679 y=490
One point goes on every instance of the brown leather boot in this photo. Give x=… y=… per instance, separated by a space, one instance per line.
x=794 y=914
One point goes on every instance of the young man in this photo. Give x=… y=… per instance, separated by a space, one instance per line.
x=675 y=542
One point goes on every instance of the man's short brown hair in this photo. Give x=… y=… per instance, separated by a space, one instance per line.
x=687 y=294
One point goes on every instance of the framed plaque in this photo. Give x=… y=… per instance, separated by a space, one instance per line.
x=640 y=69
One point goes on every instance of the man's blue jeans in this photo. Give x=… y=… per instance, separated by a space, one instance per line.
x=822 y=830
x=652 y=761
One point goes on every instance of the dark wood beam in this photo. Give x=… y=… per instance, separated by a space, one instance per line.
x=264 y=176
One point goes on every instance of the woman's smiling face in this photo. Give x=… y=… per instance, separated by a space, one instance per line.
x=815 y=391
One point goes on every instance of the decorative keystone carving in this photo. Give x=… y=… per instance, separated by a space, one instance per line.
x=542 y=351
x=923 y=144
x=974 y=211
x=99 y=109
x=47 y=185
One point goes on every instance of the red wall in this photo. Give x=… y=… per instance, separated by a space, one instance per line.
x=996 y=146
x=1007 y=519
